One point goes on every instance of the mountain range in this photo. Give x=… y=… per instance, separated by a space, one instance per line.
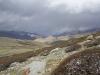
x=29 y=35
x=73 y=32
x=18 y=34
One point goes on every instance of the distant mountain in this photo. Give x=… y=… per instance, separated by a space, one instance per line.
x=19 y=35
x=73 y=32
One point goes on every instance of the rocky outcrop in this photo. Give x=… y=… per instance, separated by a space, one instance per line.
x=72 y=48
x=82 y=63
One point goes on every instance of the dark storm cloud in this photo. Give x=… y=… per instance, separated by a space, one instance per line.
x=39 y=16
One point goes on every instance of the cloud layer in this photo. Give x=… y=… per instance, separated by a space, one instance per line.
x=77 y=6
x=49 y=16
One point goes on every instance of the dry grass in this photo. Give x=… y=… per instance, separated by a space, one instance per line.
x=14 y=50
x=69 y=42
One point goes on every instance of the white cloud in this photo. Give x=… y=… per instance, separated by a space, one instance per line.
x=76 y=5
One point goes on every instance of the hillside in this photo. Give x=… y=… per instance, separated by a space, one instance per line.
x=77 y=55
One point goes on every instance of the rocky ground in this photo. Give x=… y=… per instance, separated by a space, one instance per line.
x=75 y=56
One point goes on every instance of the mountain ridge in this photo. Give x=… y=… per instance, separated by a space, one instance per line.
x=19 y=35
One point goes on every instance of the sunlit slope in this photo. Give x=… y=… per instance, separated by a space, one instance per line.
x=14 y=46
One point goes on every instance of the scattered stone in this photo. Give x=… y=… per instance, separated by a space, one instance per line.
x=2 y=67
x=72 y=48
x=15 y=64
x=90 y=37
x=97 y=37
x=92 y=43
x=45 y=53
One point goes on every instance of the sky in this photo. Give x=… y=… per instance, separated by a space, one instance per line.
x=49 y=16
